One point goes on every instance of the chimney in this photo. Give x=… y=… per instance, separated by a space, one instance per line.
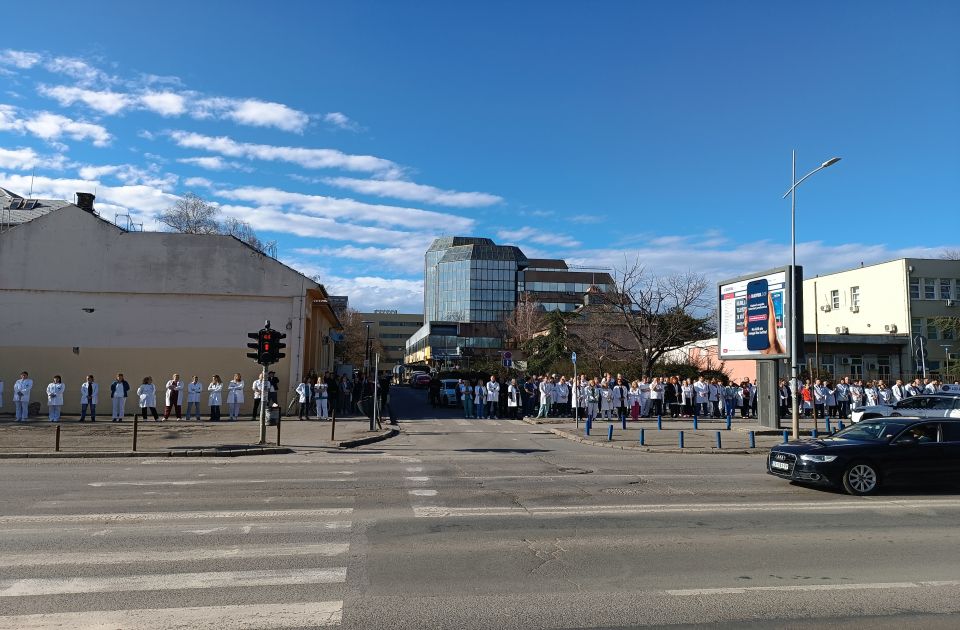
x=85 y=201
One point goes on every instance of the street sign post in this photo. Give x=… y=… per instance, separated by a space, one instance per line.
x=574 y=389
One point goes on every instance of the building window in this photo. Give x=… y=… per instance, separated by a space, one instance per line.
x=826 y=365
x=945 y=288
x=916 y=326
x=835 y=299
x=854 y=296
x=856 y=367
x=929 y=289
x=883 y=366
x=914 y=288
x=932 y=332
x=933 y=366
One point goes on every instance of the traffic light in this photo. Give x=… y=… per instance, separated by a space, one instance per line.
x=267 y=346
x=278 y=346
x=256 y=347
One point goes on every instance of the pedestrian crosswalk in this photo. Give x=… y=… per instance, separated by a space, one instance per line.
x=219 y=569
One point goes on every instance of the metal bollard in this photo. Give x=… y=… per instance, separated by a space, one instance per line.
x=718 y=440
x=659 y=423
x=786 y=437
x=610 y=433
x=135 y=424
x=623 y=423
x=681 y=439
x=587 y=426
x=56 y=443
x=695 y=427
x=840 y=424
x=729 y=422
x=827 y=422
x=753 y=440
x=813 y=433
x=643 y=437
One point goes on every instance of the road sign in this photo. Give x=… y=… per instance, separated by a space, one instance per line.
x=507 y=355
x=573 y=357
x=507 y=363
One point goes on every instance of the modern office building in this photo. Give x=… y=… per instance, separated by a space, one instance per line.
x=392 y=329
x=881 y=320
x=471 y=285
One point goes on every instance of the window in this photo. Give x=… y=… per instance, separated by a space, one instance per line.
x=945 y=288
x=835 y=299
x=856 y=367
x=916 y=326
x=826 y=364
x=854 y=296
x=914 y=288
x=932 y=332
x=883 y=367
x=929 y=289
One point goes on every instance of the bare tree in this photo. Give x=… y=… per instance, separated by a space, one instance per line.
x=950 y=254
x=353 y=347
x=240 y=229
x=661 y=312
x=601 y=337
x=525 y=321
x=191 y=215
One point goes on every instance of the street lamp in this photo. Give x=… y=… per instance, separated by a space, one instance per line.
x=366 y=349
x=794 y=368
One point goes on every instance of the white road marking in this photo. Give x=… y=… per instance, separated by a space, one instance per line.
x=204 y=482
x=463 y=423
x=213 y=553
x=691 y=508
x=140 y=517
x=423 y=493
x=170 y=581
x=418 y=479
x=415 y=469
x=165 y=530
x=520 y=422
x=244 y=617
x=810 y=587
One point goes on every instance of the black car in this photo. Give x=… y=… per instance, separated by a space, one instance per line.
x=873 y=453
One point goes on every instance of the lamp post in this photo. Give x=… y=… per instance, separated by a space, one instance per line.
x=794 y=368
x=366 y=349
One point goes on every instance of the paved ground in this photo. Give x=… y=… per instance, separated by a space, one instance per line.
x=464 y=524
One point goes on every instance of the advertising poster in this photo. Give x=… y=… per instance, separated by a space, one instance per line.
x=752 y=321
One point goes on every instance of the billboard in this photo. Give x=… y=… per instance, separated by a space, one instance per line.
x=754 y=316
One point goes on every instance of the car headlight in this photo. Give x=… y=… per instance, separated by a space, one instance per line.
x=820 y=459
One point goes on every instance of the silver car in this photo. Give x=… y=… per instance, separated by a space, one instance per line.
x=944 y=405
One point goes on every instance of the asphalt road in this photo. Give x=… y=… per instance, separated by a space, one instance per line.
x=464 y=524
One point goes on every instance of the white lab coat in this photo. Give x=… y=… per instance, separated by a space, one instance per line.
x=235 y=392
x=478 y=393
x=606 y=399
x=83 y=392
x=656 y=391
x=21 y=390
x=303 y=389
x=620 y=396
x=561 y=392
x=701 y=390
x=55 y=393
x=171 y=386
x=193 y=392
x=493 y=391
x=215 y=394
x=513 y=396
x=147 y=393
x=633 y=397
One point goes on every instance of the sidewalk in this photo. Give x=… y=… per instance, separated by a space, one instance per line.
x=39 y=436
x=735 y=441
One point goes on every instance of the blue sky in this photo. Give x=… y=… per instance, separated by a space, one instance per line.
x=355 y=132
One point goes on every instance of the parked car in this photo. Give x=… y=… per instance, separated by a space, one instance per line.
x=420 y=381
x=946 y=405
x=448 y=392
x=872 y=454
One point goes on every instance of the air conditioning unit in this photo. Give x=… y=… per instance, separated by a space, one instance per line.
x=890 y=328
x=854 y=309
x=844 y=360
x=825 y=308
x=950 y=303
x=842 y=330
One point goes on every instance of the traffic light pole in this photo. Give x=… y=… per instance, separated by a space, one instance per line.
x=263 y=406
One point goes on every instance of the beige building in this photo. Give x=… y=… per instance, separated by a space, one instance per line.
x=872 y=321
x=392 y=329
x=81 y=295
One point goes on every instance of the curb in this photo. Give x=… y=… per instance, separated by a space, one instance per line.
x=200 y=452
x=386 y=435
x=647 y=449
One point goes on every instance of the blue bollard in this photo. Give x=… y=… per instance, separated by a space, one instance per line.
x=785 y=437
x=643 y=437
x=587 y=426
x=681 y=439
x=695 y=427
x=827 y=420
x=813 y=433
x=729 y=422
x=623 y=423
x=659 y=423
x=753 y=440
x=841 y=425
x=610 y=433
x=718 y=440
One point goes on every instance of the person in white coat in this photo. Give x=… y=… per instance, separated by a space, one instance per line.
x=561 y=394
x=214 y=397
x=493 y=397
x=235 y=397
x=606 y=401
x=321 y=392
x=645 y=397
x=119 y=390
x=174 y=398
x=55 y=398
x=194 y=389
x=260 y=388
x=620 y=391
x=21 y=396
x=546 y=388
x=701 y=392
x=514 y=400
x=88 y=399
x=479 y=399
x=147 y=395
x=303 y=399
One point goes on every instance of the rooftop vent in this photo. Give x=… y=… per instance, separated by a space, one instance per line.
x=85 y=201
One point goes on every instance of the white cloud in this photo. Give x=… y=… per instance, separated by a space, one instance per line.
x=367 y=292
x=341 y=121
x=198 y=182
x=264 y=114
x=307 y=158
x=25 y=158
x=83 y=72
x=131 y=174
x=140 y=200
x=541 y=236
x=107 y=102
x=19 y=58
x=164 y=103
x=214 y=163
x=352 y=210
x=411 y=254
x=52 y=127
x=410 y=191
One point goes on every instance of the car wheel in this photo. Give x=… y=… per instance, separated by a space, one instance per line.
x=861 y=479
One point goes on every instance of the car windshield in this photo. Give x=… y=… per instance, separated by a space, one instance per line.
x=872 y=431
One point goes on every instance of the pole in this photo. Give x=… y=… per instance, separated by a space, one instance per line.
x=263 y=406
x=376 y=398
x=135 y=416
x=923 y=359
x=794 y=368
x=575 y=388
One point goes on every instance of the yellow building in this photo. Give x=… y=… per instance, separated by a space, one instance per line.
x=392 y=329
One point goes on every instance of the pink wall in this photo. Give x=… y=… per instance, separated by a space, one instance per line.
x=738 y=370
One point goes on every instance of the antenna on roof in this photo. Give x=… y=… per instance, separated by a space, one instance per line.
x=32 y=175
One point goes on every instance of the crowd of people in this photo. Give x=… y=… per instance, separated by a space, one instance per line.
x=617 y=397
x=319 y=396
